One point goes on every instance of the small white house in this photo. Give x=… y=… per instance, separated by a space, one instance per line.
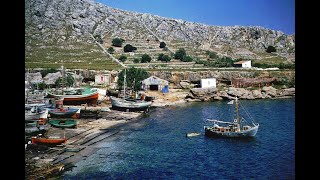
x=244 y=64
x=207 y=83
x=102 y=79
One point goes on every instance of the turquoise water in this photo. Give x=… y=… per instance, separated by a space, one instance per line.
x=157 y=147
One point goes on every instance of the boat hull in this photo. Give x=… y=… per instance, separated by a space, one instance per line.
x=63 y=123
x=123 y=104
x=62 y=113
x=34 y=131
x=90 y=99
x=53 y=141
x=243 y=134
x=36 y=116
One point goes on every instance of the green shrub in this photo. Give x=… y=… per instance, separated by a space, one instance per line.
x=47 y=71
x=162 y=45
x=133 y=79
x=145 y=58
x=123 y=58
x=187 y=59
x=162 y=57
x=212 y=55
x=117 y=42
x=180 y=54
x=110 y=50
x=98 y=38
x=271 y=49
x=129 y=48
x=136 y=60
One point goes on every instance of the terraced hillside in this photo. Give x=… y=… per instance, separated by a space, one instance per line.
x=72 y=56
x=62 y=30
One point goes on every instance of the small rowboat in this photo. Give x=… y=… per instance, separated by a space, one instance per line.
x=63 y=112
x=62 y=123
x=192 y=134
x=50 y=141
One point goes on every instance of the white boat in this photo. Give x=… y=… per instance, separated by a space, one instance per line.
x=36 y=113
x=239 y=128
x=127 y=103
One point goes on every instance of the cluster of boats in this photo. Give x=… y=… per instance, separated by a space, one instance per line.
x=49 y=111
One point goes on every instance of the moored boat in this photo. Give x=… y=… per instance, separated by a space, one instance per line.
x=119 y=103
x=127 y=103
x=239 y=128
x=61 y=123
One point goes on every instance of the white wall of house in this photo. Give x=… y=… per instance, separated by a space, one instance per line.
x=246 y=64
x=207 y=83
x=102 y=79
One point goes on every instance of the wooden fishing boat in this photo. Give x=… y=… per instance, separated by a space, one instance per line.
x=33 y=128
x=49 y=141
x=77 y=99
x=119 y=103
x=36 y=113
x=62 y=123
x=63 y=112
x=33 y=131
x=239 y=128
x=127 y=103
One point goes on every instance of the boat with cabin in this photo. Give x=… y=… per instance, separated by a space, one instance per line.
x=238 y=128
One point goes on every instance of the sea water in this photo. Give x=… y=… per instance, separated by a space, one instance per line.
x=157 y=147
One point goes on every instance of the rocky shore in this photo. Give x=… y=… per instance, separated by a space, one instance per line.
x=178 y=96
x=267 y=92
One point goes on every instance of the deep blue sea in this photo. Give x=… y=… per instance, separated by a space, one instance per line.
x=156 y=147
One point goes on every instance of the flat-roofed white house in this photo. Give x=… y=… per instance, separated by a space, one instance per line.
x=243 y=64
x=102 y=79
x=207 y=83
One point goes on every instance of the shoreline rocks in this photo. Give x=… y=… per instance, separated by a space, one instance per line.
x=212 y=94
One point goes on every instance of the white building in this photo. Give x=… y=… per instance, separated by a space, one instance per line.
x=207 y=83
x=244 y=64
x=154 y=83
x=102 y=79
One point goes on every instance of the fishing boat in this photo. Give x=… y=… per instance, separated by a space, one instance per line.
x=64 y=112
x=50 y=140
x=119 y=103
x=239 y=128
x=37 y=114
x=77 y=98
x=62 y=123
x=33 y=128
x=128 y=103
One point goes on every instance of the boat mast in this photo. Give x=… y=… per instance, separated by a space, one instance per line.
x=124 y=83
x=237 y=112
x=62 y=79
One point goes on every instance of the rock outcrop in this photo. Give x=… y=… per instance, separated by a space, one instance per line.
x=264 y=93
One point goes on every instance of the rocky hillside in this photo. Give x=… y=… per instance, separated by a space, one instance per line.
x=62 y=25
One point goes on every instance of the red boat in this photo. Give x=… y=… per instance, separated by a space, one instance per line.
x=50 y=141
x=78 y=99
